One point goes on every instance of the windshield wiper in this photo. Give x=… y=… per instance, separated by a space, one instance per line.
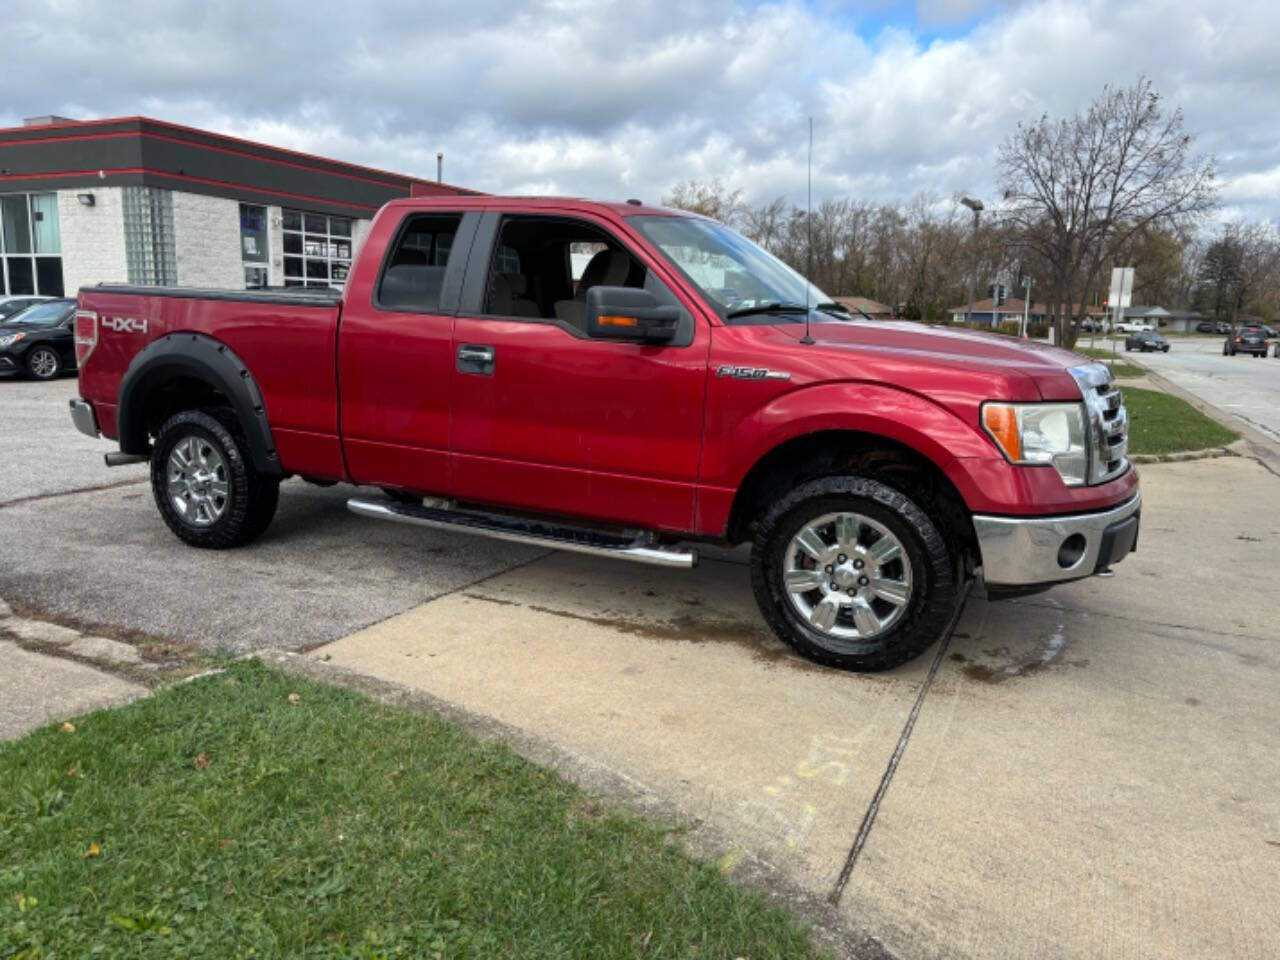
x=769 y=306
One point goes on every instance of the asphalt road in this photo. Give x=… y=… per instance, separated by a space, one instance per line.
x=1244 y=386
x=84 y=541
x=40 y=451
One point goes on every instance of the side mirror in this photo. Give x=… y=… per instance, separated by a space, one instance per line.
x=627 y=313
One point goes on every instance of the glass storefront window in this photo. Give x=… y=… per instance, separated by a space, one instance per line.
x=30 y=244
x=254 y=250
x=317 y=249
x=44 y=223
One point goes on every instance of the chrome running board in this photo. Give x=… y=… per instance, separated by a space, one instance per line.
x=641 y=548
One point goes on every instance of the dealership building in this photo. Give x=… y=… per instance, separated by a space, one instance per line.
x=142 y=201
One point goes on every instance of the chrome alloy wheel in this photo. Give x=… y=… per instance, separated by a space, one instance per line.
x=198 y=485
x=44 y=363
x=847 y=576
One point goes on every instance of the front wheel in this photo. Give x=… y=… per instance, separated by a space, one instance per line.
x=852 y=573
x=205 y=484
x=43 y=363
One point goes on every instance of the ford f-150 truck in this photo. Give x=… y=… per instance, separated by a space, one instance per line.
x=686 y=387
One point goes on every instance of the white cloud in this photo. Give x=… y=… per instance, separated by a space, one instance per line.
x=619 y=99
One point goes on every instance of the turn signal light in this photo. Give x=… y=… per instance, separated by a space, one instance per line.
x=617 y=321
x=1001 y=421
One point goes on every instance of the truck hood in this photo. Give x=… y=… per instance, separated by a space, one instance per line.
x=1047 y=366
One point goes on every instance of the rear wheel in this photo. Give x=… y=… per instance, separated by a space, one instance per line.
x=43 y=363
x=852 y=573
x=204 y=482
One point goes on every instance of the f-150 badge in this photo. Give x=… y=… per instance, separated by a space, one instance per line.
x=751 y=373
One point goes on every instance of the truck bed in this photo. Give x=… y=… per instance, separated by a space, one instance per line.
x=287 y=337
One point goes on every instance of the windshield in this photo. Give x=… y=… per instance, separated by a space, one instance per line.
x=734 y=273
x=44 y=314
x=10 y=307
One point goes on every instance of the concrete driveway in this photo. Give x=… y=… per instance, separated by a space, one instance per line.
x=1093 y=772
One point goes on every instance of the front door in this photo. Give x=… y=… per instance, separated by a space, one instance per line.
x=548 y=419
x=395 y=361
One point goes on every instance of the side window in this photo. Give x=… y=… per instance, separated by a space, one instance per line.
x=542 y=268
x=414 y=273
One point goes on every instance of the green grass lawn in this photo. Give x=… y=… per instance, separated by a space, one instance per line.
x=1118 y=367
x=221 y=818
x=1162 y=423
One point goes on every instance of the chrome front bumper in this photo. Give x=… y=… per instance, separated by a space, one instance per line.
x=82 y=416
x=1018 y=551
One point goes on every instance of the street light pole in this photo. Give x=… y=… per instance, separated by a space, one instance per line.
x=1026 y=305
x=976 y=207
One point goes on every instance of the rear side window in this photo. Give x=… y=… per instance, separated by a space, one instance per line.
x=414 y=273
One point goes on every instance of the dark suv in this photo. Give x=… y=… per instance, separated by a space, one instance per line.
x=1249 y=338
x=1146 y=341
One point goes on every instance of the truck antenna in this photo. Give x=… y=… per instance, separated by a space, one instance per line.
x=808 y=268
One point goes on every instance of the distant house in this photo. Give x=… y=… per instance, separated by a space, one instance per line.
x=986 y=314
x=872 y=308
x=1175 y=321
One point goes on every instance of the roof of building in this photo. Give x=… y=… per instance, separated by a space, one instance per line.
x=865 y=304
x=133 y=151
x=1010 y=306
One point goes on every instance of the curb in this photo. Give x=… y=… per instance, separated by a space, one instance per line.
x=1180 y=456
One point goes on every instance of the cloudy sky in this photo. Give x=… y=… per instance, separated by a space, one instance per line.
x=612 y=100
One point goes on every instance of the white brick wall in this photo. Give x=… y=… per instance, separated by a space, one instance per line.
x=206 y=238
x=92 y=238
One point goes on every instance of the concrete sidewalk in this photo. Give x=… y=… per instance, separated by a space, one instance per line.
x=36 y=689
x=1094 y=772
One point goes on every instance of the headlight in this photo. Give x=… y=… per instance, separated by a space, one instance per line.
x=11 y=338
x=1041 y=433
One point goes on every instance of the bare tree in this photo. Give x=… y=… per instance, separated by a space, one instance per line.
x=1077 y=190
x=767 y=223
x=710 y=198
x=1239 y=269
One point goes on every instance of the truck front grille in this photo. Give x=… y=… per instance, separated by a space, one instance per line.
x=1108 y=422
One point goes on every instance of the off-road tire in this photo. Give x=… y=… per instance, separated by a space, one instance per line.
x=252 y=497
x=34 y=368
x=935 y=593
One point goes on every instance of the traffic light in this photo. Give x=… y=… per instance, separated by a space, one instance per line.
x=996 y=292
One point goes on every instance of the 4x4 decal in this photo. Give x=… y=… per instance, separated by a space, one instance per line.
x=124 y=324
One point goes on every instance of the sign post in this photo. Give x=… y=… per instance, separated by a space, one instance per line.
x=1120 y=296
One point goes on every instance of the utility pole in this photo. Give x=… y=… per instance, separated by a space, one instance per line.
x=976 y=207
x=1026 y=304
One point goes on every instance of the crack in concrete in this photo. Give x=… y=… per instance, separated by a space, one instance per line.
x=36 y=497
x=873 y=808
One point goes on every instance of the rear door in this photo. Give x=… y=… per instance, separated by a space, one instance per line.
x=548 y=419
x=395 y=359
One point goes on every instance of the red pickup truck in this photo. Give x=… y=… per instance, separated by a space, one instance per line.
x=685 y=386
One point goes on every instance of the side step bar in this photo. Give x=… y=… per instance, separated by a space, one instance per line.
x=639 y=548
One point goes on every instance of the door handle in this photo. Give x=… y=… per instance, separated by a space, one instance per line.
x=475 y=358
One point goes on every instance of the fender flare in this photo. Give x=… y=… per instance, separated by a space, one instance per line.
x=914 y=421
x=198 y=357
